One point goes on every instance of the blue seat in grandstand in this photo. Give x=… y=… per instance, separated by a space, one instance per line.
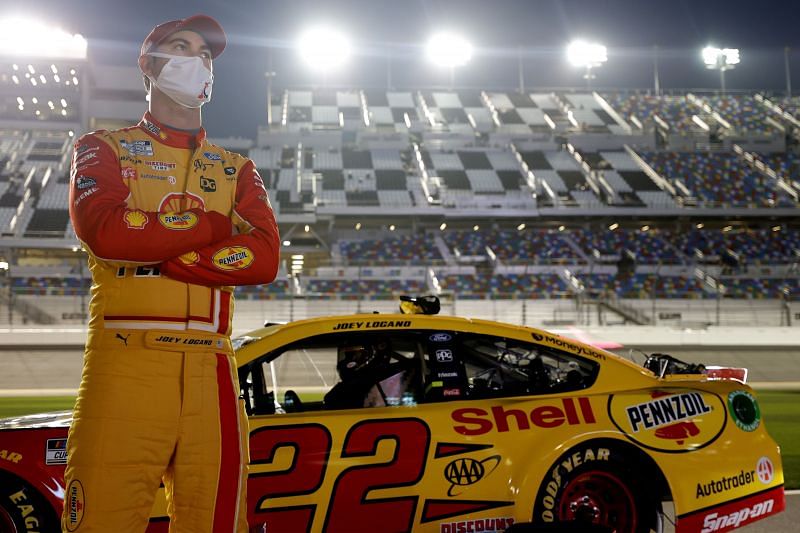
x=418 y=249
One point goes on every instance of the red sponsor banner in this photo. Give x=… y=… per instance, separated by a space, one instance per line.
x=735 y=514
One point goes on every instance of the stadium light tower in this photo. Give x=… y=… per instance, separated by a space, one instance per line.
x=449 y=50
x=30 y=38
x=721 y=59
x=324 y=49
x=588 y=56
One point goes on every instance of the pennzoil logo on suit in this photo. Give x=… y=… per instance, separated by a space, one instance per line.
x=233 y=258
x=179 y=221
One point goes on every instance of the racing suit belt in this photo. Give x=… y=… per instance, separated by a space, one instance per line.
x=169 y=340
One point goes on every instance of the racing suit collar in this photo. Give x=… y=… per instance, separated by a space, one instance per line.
x=169 y=136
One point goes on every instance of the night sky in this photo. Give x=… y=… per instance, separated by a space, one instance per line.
x=498 y=29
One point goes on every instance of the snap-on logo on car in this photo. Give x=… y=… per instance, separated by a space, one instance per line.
x=714 y=522
x=736 y=513
x=178 y=221
x=669 y=421
x=477 y=421
x=233 y=258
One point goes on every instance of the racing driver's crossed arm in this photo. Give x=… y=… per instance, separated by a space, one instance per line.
x=249 y=258
x=114 y=232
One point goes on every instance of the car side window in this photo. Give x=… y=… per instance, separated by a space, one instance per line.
x=498 y=367
x=336 y=371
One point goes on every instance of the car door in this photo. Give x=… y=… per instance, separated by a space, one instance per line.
x=318 y=466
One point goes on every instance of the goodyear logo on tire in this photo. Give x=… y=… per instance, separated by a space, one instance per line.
x=178 y=221
x=669 y=420
x=233 y=258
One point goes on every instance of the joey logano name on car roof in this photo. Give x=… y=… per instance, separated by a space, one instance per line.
x=373 y=324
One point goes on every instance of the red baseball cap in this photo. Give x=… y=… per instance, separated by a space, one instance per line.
x=206 y=26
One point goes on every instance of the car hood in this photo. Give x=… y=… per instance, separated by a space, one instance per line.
x=40 y=420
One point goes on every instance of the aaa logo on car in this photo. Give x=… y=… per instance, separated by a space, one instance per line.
x=233 y=258
x=180 y=221
x=669 y=421
x=467 y=471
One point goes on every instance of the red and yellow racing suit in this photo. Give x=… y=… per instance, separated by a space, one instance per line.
x=170 y=223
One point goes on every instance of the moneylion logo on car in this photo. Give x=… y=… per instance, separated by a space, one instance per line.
x=179 y=221
x=233 y=258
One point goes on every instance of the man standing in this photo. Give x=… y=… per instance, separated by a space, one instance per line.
x=170 y=223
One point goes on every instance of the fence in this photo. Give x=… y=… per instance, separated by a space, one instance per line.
x=250 y=314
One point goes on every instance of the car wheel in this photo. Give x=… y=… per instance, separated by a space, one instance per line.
x=599 y=486
x=22 y=508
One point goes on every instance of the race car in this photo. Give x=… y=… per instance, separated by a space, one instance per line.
x=421 y=422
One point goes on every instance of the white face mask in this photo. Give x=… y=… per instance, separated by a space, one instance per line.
x=185 y=79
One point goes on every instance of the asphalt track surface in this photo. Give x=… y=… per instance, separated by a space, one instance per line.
x=48 y=372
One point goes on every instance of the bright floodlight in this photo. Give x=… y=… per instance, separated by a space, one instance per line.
x=324 y=48
x=29 y=38
x=449 y=50
x=583 y=54
x=720 y=58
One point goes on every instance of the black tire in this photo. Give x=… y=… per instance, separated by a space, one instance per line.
x=23 y=509
x=598 y=484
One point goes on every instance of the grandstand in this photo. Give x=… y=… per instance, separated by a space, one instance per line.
x=636 y=205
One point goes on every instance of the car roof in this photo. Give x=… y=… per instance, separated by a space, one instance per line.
x=365 y=322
